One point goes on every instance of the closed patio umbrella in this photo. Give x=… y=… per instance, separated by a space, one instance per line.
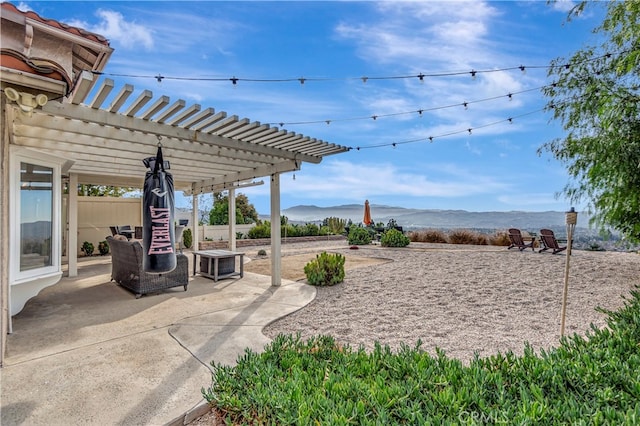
x=367 y=214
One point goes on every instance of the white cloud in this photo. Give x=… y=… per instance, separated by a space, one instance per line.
x=23 y=7
x=117 y=29
x=347 y=180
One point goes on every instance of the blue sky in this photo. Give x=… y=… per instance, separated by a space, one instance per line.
x=494 y=167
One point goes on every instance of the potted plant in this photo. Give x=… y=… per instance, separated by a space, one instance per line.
x=87 y=248
x=103 y=248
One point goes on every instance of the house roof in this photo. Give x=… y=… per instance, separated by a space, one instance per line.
x=90 y=51
x=8 y=7
x=208 y=150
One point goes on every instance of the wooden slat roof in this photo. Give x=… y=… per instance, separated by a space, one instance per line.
x=107 y=136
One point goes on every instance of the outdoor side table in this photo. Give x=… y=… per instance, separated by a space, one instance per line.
x=218 y=264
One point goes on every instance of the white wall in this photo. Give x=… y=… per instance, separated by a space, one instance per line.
x=96 y=214
x=221 y=232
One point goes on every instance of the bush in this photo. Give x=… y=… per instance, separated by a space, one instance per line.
x=103 y=248
x=359 y=236
x=262 y=252
x=336 y=225
x=87 y=248
x=464 y=236
x=394 y=238
x=260 y=231
x=311 y=229
x=428 y=236
x=588 y=379
x=326 y=269
x=187 y=238
x=500 y=239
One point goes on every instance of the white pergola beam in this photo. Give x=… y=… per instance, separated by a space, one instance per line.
x=120 y=98
x=184 y=115
x=173 y=109
x=139 y=103
x=160 y=103
x=119 y=121
x=105 y=88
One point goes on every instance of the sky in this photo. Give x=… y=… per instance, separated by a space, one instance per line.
x=448 y=140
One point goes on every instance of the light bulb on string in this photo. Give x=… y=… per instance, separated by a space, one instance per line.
x=473 y=74
x=421 y=77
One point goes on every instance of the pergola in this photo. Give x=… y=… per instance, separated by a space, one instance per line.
x=208 y=151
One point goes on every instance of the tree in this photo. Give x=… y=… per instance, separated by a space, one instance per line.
x=219 y=215
x=103 y=190
x=595 y=95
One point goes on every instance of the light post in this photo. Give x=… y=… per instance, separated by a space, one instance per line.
x=571 y=220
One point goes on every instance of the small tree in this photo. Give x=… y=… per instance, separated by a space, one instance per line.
x=595 y=96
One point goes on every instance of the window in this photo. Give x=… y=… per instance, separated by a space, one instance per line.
x=36 y=216
x=35 y=227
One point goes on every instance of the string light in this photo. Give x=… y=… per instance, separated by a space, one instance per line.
x=421 y=76
x=419 y=111
x=468 y=130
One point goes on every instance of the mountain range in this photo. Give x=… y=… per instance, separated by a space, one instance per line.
x=410 y=218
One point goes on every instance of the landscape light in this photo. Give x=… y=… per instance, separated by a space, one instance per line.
x=571 y=218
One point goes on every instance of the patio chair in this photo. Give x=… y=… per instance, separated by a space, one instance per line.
x=114 y=230
x=549 y=242
x=515 y=236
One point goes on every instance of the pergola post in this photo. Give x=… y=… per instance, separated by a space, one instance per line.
x=195 y=220
x=72 y=230
x=276 y=264
x=232 y=219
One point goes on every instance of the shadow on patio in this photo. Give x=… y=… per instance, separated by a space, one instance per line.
x=86 y=351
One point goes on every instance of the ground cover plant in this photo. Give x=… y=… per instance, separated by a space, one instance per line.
x=591 y=379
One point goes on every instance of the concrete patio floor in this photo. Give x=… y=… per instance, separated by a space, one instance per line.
x=86 y=351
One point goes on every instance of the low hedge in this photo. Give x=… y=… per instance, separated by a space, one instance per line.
x=590 y=379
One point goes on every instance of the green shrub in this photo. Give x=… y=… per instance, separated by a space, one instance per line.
x=428 y=236
x=335 y=225
x=311 y=229
x=262 y=252
x=187 y=237
x=103 y=248
x=87 y=248
x=326 y=269
x=394 y=238
x=359 y=236
x=260 y=231
x=589 y=379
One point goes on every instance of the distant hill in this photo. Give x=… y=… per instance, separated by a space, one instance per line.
x=440 y=219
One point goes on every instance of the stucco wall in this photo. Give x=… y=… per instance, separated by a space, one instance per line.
x=96 y=214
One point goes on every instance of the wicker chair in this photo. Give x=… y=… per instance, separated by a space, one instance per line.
x=126 y=269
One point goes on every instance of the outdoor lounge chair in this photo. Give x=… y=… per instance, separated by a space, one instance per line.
x=515 y=236
x=127 y=270
x=549 y=242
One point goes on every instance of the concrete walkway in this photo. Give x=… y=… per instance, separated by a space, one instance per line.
x=87 y=352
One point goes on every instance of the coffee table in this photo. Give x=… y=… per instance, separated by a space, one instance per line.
x=218 y=264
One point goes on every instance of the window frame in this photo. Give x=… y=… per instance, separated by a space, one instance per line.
x=18 y=156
